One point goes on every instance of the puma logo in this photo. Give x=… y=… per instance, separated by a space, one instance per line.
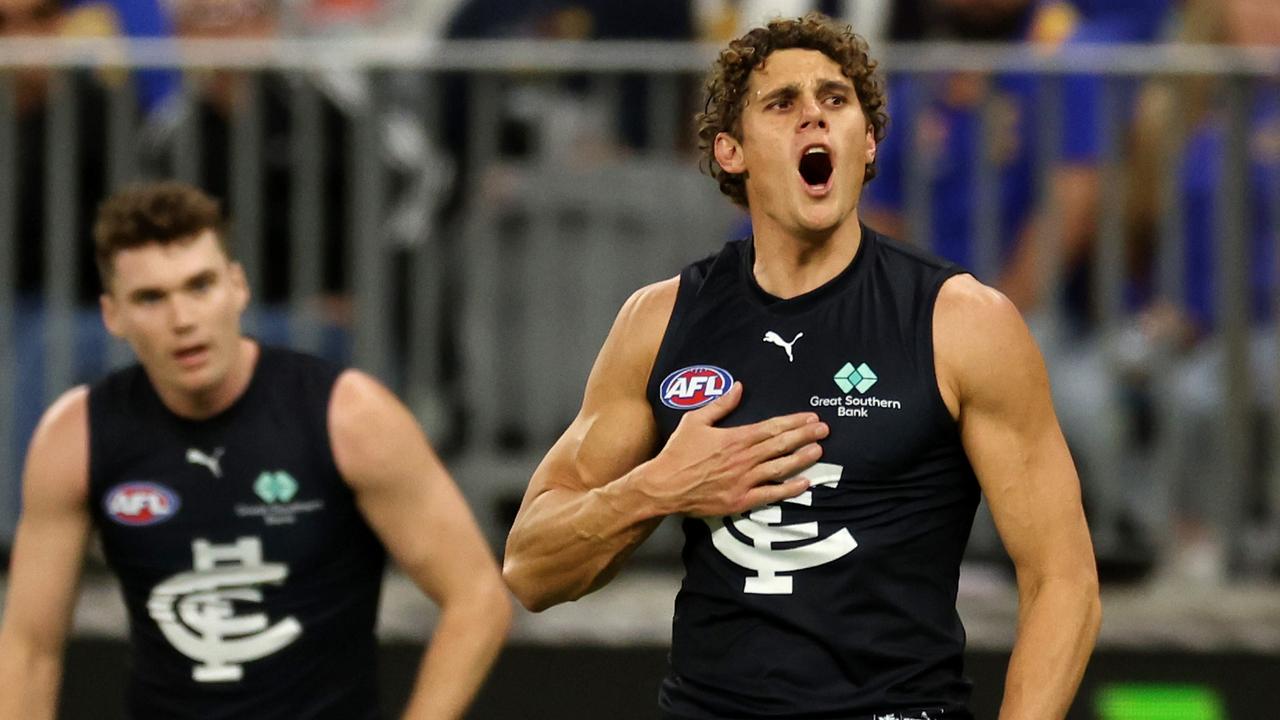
x=776 y=339
x=213 y=462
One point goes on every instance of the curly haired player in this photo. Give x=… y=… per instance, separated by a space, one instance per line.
x=823 y=405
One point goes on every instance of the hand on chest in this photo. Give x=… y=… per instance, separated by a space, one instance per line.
x=878 y=400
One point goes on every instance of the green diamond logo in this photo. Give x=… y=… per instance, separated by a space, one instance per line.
x=860 y=378
x=278 y=486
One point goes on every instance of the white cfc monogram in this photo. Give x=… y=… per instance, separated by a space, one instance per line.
x=196 y=610
x=764 y=528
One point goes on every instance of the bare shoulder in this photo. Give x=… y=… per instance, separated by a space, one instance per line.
x=980 y=340
x=965 y=304
x=58 y=457
x=645 y=314
x=632 y=345
x=369 y=428
x=358 y=396
x=68 y=415
x=656 y=297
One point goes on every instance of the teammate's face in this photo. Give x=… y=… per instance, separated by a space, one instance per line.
x=805 y=144
x=178 y=306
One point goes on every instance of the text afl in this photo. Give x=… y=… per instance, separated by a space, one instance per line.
x=141 y=503
x=694 y=386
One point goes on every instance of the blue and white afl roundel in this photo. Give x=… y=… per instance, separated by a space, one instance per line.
x=140 y=503
x=694 y=386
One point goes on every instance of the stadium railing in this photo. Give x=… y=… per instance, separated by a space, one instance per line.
x=499 y=200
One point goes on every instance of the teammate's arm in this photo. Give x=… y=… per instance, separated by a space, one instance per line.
x=994 y=381
x=48 y=551
x=597 y=495
x=412 y=504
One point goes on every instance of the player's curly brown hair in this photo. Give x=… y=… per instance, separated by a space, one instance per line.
x=160 y=212
x=727 y=85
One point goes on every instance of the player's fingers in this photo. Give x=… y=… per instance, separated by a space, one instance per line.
x=781 y=469
x=763 y=430
x=773 y=492
x=792 y=435
x=715 y=411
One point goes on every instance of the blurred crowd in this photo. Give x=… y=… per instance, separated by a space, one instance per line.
x=1139 y=386
x=1141 y=406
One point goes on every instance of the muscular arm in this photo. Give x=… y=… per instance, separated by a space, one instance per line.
x=47 y=554
x=597 y=495
x=994 y=380
x=409 y=500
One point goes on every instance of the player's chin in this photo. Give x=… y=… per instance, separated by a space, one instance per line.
x=819 y=218
x=197 y=380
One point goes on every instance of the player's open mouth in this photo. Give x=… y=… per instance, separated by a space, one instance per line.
x=815 y=169
x=191 y=355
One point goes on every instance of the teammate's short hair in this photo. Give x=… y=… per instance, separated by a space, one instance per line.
x=726 y=87
x=161 y=212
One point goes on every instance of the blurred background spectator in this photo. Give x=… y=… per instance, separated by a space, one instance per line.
x=996 y=192
x=1220 y=521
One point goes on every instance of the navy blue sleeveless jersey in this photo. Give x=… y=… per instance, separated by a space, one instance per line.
x=250 y=577
x=841 y=602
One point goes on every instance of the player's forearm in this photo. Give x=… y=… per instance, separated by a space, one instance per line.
x=566 y=543
x=29 y=678
x=465 y=643
x=1057 y=626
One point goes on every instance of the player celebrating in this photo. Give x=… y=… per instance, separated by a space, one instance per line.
x=823 y=405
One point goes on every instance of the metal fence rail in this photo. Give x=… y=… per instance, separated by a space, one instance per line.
x=492 y=209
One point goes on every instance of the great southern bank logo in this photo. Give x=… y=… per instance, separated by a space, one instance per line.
x=851 y=380
x=860 y=378
x=273 y=487
x=278 y=491
x=140 y=503
x=694 y=386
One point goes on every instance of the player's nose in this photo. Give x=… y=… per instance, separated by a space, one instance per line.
x=811 y=115
x=181 y=314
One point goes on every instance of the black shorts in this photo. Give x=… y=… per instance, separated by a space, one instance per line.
x=918 y=714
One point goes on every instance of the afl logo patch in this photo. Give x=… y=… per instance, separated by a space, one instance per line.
x=694 y=386
x=141 y=503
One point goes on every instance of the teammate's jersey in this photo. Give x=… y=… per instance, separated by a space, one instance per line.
x=841 y=601
x=250 y=577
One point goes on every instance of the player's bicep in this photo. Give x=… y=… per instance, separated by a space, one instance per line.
x=402 y=488
x=49 y=545
x=1009 y=430
x=614 y=430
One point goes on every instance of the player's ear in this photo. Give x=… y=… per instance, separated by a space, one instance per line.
x=871 y=145
x=110 y=313
x=728 y=152
x=239 y=286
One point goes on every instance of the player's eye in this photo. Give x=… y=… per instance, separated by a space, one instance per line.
x=201 y=283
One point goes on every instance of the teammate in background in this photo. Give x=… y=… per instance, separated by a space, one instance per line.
x=823 y=405
x=244 y=495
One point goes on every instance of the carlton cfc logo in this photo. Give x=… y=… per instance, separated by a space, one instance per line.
x=141 y=503
x=694 y=386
